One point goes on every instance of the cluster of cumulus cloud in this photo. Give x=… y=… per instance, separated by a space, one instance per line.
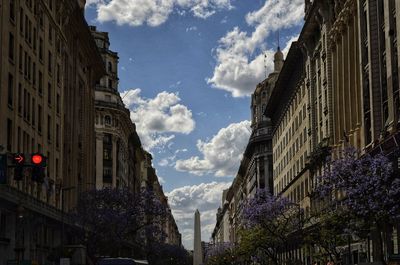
x=242 y=59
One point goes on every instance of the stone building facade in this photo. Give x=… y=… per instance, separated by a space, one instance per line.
x=337 y=88
x=48 y=70
x=115 y=132
x=255 y=170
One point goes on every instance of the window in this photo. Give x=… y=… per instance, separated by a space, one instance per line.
x=12 y=10
x=9 y=135
x=40 y=83
x=34 y=39
x=58 y=74
x=50 y=33
x=41 y=18
x=107 y=154
x=33 y=112
x=11 y=46
x=28 y=112
x=20 y=58
x=48 y=128
x=25 y=64
x=21 y=21
x=19 y=99
x=25 y=103
x=107 y=174
x=107 y=120
x=40 y=118
x=57 y=136
x=110 y=83
x=107 y=138
x=50 y=63
x=41 y=49
x=58 y=104
x=109 y=67
x=34 y=74
x=29 y=68
x=26 y=28
x=10 y=89
x=49 y=93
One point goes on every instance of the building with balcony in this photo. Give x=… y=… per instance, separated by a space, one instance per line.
x=48 y=69
x=118 y=148
x=255 y=170
x=338 y=87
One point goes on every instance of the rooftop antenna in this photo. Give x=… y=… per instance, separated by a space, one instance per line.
x=278 y=40
x=265 y=64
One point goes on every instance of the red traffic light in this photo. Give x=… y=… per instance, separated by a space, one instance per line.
x=37 y=159
x=19 y=159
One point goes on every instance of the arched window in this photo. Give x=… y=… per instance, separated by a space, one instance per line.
x=109 y=66
x=107 y=120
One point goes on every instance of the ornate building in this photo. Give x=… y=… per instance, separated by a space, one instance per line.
x=255 y=171
x=169 y=228
x=121 y=161
x=48 y=69
x=337 y=88
x=115 y=132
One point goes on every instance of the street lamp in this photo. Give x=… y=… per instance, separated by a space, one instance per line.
x=19 y=247
x=20 y=211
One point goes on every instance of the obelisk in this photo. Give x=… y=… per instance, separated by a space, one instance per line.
x=197 y=250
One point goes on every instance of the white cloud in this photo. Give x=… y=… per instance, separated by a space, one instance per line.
x=221 y=154
x=192 y=28
x=161 y=179
x=206 y=197
x=157 y=119
x=163 y=162
x=169 y=161
x=238 y=70
x=224 y=20
x=154 y=12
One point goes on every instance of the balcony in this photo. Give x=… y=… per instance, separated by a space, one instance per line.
x=111 y=105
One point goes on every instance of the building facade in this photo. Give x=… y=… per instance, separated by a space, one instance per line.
x=256 y=167
x=115 y=132
x=48 y=71
x=337 y=88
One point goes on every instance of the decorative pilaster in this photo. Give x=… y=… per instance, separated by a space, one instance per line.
x=99 y=160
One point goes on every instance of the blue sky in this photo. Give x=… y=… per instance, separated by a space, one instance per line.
x=186 y=69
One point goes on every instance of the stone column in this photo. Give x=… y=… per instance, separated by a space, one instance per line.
x=99 y=160
x=114 y=161
x=197 y=249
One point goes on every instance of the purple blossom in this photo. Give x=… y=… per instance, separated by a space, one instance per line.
x=266 y=208
x=114 y=218
x=369 y=186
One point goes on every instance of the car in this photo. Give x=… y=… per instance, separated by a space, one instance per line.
x=121 y=261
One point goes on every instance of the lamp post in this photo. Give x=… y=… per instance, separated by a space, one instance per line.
x=19 y=248
x=62 y=214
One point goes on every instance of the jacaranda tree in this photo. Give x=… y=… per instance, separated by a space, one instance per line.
x=366 y=187
x=221 y=254
x=116 y=219
x=274 y=221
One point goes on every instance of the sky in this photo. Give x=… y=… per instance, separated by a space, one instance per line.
x=187 y=69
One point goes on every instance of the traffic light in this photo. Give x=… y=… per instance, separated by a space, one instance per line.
x=19 y=161
x=38 y=160
x=3 y=168
x=39 y=163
